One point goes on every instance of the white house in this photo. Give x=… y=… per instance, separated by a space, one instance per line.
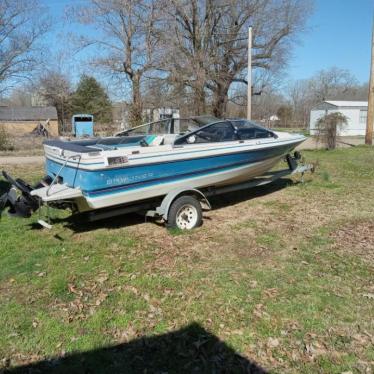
x=355 y=111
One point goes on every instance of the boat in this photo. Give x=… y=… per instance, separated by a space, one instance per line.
x=149 y=162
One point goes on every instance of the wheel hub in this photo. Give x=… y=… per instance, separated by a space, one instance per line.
x=187 y=217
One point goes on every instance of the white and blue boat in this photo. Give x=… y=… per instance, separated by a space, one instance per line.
x=151 y=160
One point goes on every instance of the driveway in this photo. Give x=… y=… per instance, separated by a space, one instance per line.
x=347 y=141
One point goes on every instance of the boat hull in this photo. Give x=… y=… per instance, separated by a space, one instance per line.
x=223 y=178
x=109 y=187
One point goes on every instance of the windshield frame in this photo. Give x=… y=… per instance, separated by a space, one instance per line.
x=149 y=124
x=183 y=139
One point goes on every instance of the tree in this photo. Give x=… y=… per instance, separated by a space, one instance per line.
x=328 y=84
x=91 y=98
x=21 y=29
x=301 y=99
x=328 y=127
x=129 y=41
x=331 y=84
x=55 y=88
x=284 y=114
x=22 y=96
x=207 y=44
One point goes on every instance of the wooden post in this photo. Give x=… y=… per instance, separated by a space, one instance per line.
x=249 y=78
x=370 y=116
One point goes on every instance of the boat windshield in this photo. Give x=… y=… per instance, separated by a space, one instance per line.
x=224 y=131
x=179 y=126
x=251 y=130
x=156 y=128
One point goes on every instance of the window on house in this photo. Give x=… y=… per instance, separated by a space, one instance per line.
x=363 y=116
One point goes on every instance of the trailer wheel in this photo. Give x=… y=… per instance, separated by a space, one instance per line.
x=185 y=213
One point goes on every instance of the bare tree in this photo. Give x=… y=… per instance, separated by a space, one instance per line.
x=329 y=84
x=266 y=96
x=301 y=99
x=22 y=26
x=207 y=42
x=55 y=88
x=21 y=96
x=128 y=41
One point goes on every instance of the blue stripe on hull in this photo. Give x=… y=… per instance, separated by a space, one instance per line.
x=112 y=181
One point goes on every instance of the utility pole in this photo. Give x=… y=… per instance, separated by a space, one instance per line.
x=249 y=78
x=370 y=115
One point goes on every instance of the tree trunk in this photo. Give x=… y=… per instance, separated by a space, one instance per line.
x=199 y=106
x=220 y=100
x=136 y=111
x=61 y=111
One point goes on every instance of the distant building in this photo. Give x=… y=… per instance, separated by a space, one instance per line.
x=355 y=111
x=157 y=114
x=273 y=118
x=23 y=120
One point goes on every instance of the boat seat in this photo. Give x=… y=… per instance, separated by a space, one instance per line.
x=154 y=140
x=170 y=138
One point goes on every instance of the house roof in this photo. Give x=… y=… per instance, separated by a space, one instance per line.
x=344 y=103
x=27 y=114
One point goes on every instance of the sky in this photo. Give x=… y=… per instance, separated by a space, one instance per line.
x=338 y=34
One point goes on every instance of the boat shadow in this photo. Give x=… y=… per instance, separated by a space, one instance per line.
x=79 y=225
x=232 y=198
x=191 y=349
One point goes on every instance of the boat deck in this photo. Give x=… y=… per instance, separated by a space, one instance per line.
x=92 y=145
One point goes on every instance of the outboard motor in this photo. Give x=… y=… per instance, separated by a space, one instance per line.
x=24 y=204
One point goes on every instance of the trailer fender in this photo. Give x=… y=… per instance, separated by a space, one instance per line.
x=163 y=209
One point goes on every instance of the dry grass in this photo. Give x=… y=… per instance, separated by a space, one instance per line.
x=26 y=145
x=282 y=275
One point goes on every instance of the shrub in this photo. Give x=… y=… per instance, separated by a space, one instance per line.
x=5 y=143
x=328 y=126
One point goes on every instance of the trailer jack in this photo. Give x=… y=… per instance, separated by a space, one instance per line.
x=22 y=205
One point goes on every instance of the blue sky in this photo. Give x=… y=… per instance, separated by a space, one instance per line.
x=339 y=34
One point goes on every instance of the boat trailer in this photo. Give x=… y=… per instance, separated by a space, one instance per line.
x=21 y=203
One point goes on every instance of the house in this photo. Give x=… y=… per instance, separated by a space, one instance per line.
x=23 y=120
x=355 y=111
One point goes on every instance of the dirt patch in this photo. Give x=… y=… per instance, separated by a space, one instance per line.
x=356 y=238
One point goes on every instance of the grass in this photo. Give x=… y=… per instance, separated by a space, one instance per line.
x=278 y=274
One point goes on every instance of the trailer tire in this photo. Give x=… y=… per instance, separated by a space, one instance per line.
x=185 y=213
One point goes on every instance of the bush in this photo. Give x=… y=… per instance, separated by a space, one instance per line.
x=328 y=126
x=5 y=143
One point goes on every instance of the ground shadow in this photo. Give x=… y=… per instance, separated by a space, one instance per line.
x=189 y=350
x=80 y=224
x=232 y=198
